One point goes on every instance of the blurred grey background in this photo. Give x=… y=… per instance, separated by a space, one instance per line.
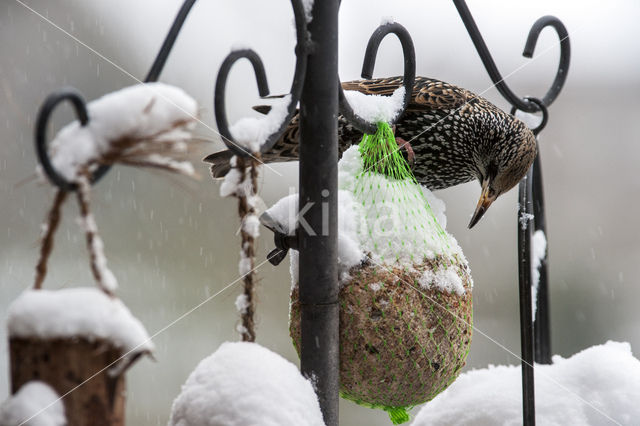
x=172 y=242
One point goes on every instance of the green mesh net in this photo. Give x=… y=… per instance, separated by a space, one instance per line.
x=406 y=312
x=393 y=201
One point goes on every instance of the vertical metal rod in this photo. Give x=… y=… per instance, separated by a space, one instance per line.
x=167 y=45
x=541 y=327
x=319 y=194
x=487 y=59
x=526 y=309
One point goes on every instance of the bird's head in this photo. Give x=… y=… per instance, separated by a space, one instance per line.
x=505 y=163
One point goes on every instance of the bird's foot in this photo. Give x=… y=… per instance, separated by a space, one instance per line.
x=407 y=147
x=402 y=144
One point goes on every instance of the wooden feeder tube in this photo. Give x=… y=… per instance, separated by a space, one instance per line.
x=75 y=369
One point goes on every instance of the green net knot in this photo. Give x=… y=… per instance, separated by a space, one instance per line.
x=398 y=415
x=381 y=154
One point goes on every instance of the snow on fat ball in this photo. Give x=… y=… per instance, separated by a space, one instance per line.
x=77 y=312
x=35 y=404
x=397 y=215
x=444 y=279
x=393 y=244
x=145 y=124
x=599 y=386
x=245 y=384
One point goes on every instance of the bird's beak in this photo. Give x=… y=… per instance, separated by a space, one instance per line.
x=483 y=203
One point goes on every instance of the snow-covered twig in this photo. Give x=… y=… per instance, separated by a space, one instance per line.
x=146 y=125
x=245 y=189
x=49 y=228
x=142 y=125
x=164 y=150
x=101 y=272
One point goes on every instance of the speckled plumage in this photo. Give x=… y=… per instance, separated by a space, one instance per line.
x=456 y=136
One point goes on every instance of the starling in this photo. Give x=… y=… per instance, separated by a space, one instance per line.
x=454 y=136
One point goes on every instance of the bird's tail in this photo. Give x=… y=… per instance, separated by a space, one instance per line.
x=220 y=163
x=286 y=149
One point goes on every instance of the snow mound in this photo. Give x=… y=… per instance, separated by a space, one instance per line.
x=34 y=399
x=151 y=112
x=245 y=384
x=73 y=312
x=598 y=386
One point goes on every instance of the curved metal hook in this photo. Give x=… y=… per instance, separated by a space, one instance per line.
x=79 y=105
x=220 y=89
x=302 y=51
x=565 y=53
x=76 y=99
x=409 y=53
x=492 y=69
x=541 y=107
x=167 y=45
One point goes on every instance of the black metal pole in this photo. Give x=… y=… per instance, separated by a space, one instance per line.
x=542 y=327
x=526 y=309
x=167 y=45
x=319 y=189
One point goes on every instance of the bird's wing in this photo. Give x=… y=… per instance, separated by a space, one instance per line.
x=375 y=86
x=436 y=94
x=428 y=94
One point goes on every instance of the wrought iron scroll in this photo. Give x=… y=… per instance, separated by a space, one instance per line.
x=535 y=337
x=530 y=45
x=74 y=96
x=367 y=72
x=302 y=51
x=80 y=107
x=79 y=104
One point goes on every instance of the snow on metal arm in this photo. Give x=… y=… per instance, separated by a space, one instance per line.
x=253 y=135
x=409 y=53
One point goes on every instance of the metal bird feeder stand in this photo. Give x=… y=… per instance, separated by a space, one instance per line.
x=318 y=187
x=317 y=88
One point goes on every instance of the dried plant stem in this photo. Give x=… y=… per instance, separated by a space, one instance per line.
x=50 y=227
x=94 y=242
x=248 y=188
